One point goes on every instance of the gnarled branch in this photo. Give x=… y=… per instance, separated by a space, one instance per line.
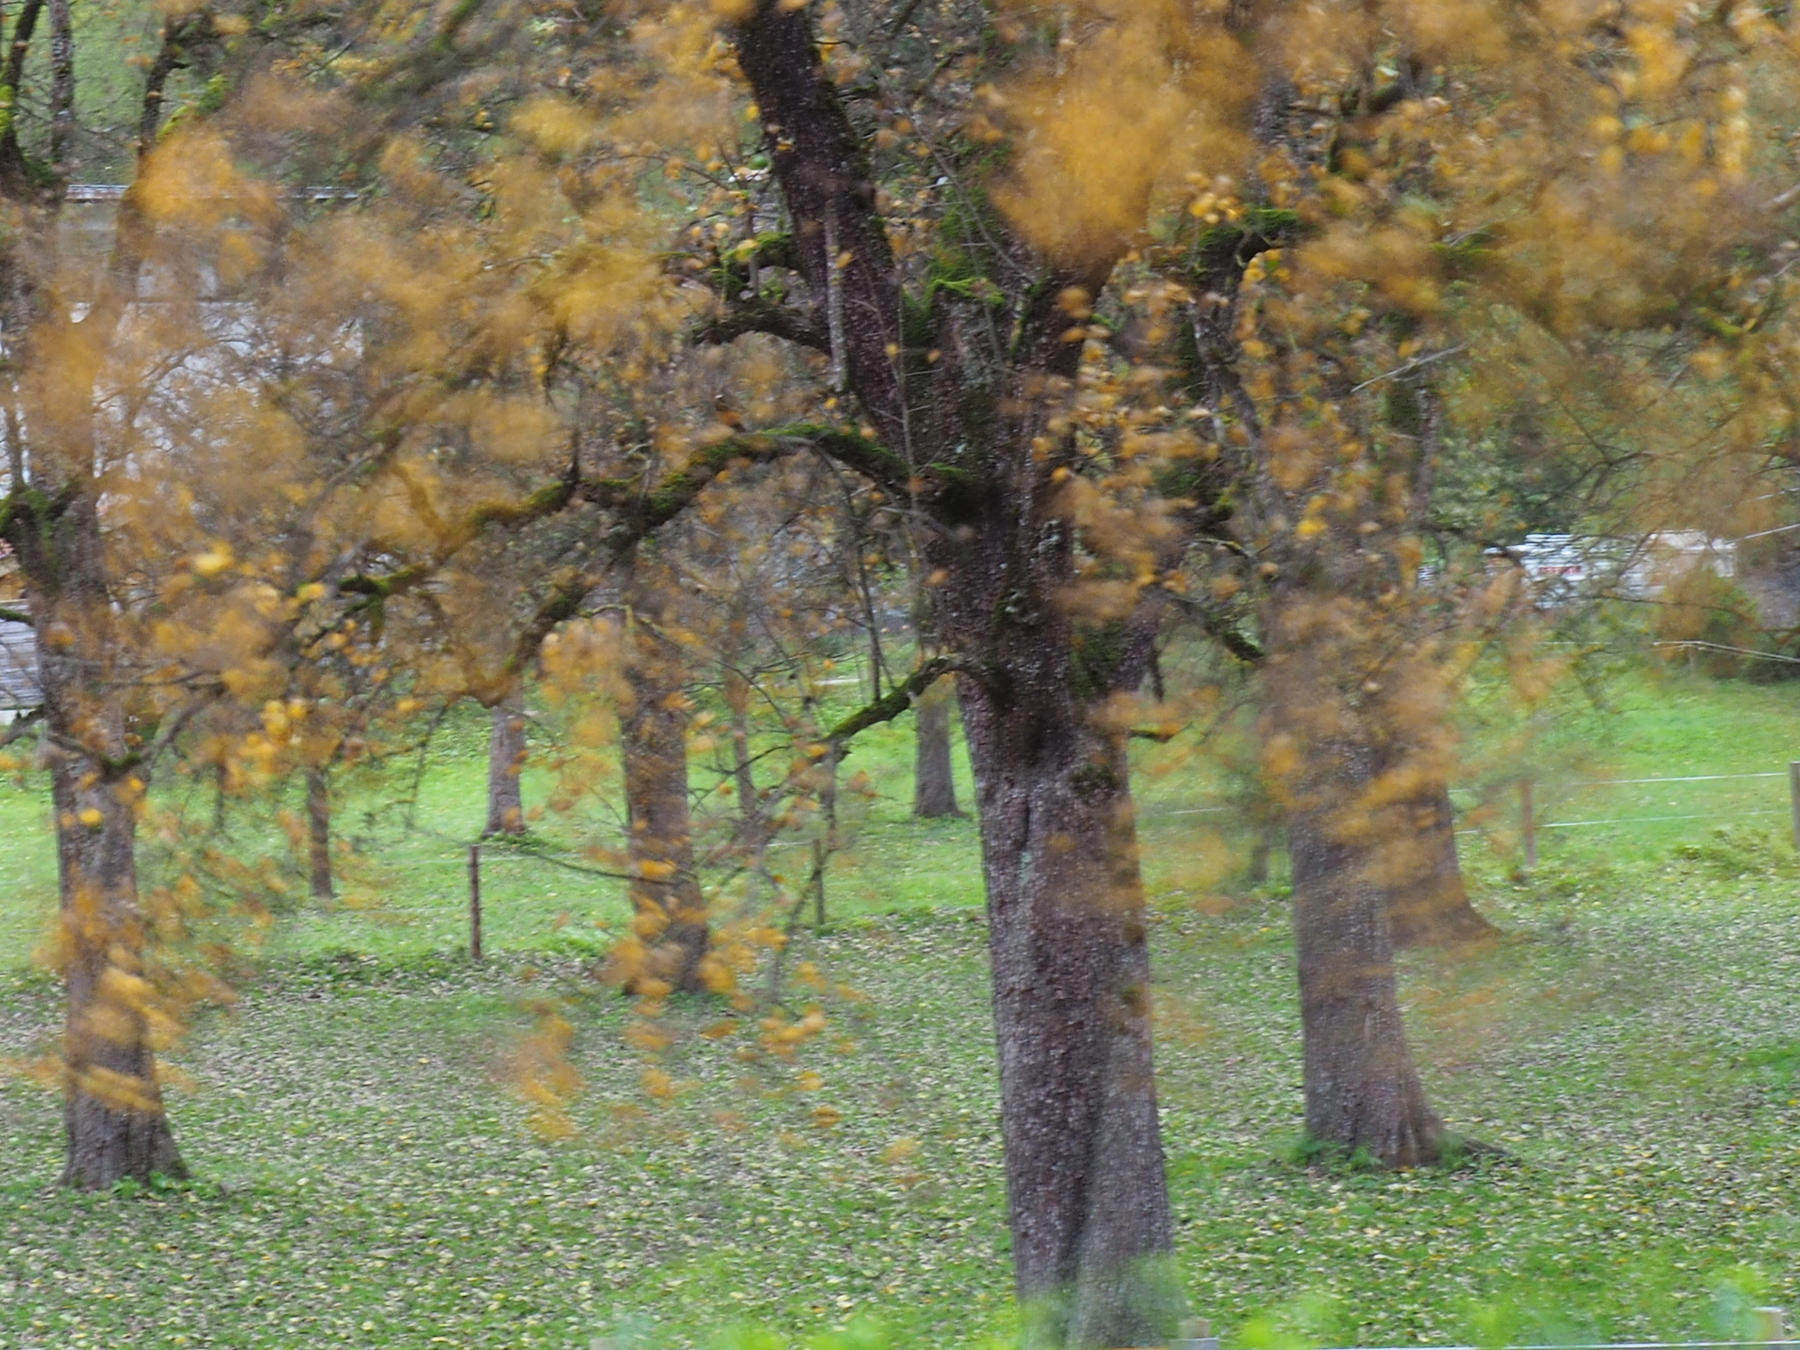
x=901 y=697
x=762 y=316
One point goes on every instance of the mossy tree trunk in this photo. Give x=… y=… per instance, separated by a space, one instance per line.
x=974 y=450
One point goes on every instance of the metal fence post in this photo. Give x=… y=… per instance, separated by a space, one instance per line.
x=1771 y=1324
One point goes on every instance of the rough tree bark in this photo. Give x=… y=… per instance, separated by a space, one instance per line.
x=934 y=779
x=670 y=919
x=1086 y=1188
x=1429 y=907
x=506 y=762
x=1361 y=1087
x=114 y=1124
x=1362 y=1091
x=318 y=832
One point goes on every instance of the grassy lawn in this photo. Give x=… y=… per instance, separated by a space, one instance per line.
x=367 y=1177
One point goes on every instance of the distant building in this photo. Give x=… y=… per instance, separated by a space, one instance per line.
x=1563 y=569
x=1669 y=555
x=18 y=645
x=18 y=668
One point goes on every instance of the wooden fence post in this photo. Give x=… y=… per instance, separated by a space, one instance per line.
x=1527 y=822
x=475 y=902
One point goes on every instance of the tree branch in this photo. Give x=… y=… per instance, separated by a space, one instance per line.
x=454 y=537
x=1222 y=628
x=901 y=697
x=20 y=725
x=826 y=179
x=172 y=56
x=762 y=316
x=646 y=510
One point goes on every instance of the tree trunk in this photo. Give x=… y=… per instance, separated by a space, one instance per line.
x=1088 y=1198
x=1344 y=834
x=1086 y=1188
x=827 y=842
x=1087 y=1192
x=670 y=923
x=318 y=832
x=114 y=1125
x=934 y=781
x=1429 y=906
x=1362 y=1091
x=1262 y=849
x=506 y=762
x=113 y=1121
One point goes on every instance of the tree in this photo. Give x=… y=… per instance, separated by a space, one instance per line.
x=670 y=910
x=934 y=778
x=114 y=1122
x=1380 y=242
x=506 y=760
x=318 y=833
x=966 y=429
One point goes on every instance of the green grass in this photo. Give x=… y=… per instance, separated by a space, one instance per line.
x=369 y=1179
x=1662 y=723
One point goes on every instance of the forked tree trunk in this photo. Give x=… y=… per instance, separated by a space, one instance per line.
x=669 y=912
x=506 y=764
x=318 y=832
x=1429 y=906
x=934 y=779
x=114 y=1125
